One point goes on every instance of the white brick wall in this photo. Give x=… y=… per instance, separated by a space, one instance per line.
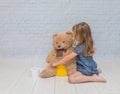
x=27 y=26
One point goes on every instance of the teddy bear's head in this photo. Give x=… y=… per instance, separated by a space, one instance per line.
x=62 y=40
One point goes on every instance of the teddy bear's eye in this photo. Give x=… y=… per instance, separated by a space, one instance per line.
x=56 y=42
x=63 y=41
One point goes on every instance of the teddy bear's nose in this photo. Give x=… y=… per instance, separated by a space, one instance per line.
x=59 y=46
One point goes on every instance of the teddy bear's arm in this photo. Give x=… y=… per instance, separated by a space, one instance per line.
x=51 y=57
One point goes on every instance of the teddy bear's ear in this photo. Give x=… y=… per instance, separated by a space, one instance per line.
x=55 y=35
x=70 y=33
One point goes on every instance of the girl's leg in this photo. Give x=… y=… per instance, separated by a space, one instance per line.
x=99 y=70
x=83 y=78
x=74 y=75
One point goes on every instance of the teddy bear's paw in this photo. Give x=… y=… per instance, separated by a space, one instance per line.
x=47 y=73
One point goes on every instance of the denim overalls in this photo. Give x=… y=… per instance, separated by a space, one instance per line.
x=85 y=64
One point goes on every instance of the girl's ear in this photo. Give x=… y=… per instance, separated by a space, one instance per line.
x=69 y=33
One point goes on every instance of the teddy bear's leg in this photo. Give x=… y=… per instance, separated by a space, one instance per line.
x=48 y=72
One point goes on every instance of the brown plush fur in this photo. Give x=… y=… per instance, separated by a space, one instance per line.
x=62 y=44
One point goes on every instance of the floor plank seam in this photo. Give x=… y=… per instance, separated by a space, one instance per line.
x=17 y=81
x=33 y=89
x=75 y=89
x=54 y=84
x=96 y=88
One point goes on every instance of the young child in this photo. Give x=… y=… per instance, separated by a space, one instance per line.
x=86 y=67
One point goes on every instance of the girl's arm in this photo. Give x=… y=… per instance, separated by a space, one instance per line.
x=65 y=59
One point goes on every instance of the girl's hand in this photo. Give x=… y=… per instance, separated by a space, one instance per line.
x=57 y=63
x=54 y=64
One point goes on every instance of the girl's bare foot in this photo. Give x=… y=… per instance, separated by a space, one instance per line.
x=99 y=79
x=99 y=70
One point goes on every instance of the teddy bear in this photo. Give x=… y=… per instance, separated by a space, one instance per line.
x=62 y=46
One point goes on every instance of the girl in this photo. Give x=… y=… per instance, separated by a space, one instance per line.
x=83 y=51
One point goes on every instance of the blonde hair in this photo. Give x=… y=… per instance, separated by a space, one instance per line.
x=83 y=34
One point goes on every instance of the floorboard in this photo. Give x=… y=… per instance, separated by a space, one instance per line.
x=63 y=87
x=16 y=78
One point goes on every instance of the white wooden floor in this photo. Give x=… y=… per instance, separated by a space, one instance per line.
x=15 y=78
